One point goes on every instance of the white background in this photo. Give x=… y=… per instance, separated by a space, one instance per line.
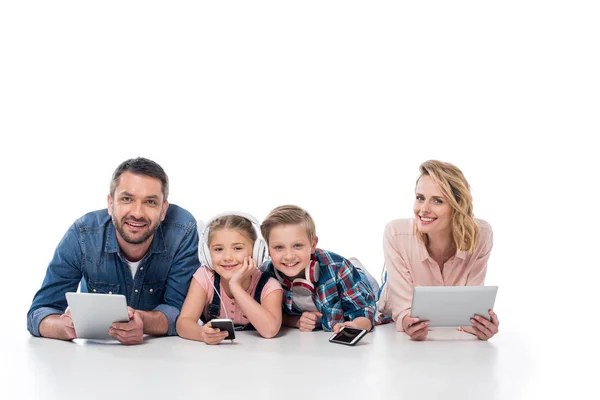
x=328 y=105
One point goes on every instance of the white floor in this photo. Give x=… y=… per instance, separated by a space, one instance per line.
x=385 y=364
x=331 y=105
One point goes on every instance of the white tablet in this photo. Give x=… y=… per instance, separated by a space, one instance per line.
x=93 y=314
x=452 y=305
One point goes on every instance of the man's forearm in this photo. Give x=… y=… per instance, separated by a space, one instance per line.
x=155 y=322
x=52 y=327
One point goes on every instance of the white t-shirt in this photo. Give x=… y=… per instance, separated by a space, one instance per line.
x=306 y=303
x=133 y=266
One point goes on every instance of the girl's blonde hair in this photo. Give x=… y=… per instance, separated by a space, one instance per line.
x=457 y=192
x=240 y=224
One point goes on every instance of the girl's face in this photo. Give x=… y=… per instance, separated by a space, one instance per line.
x=228 y=247
x=433 y=214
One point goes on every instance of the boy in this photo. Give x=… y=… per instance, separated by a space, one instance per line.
x=321 y=288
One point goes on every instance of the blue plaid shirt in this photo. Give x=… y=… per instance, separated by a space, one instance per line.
x=340 y=294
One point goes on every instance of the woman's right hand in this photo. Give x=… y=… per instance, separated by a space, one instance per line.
x=415 y=329
x=212 y=335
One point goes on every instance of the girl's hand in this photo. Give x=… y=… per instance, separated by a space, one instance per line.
x=243 y=273
x=212 y=335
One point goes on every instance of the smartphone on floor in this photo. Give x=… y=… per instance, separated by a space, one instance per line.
x=348 y=336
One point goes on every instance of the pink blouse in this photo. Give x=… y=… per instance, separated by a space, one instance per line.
x=408 y=265
x=206 y=281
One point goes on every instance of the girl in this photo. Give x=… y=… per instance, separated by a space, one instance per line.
x=442 y=246
x=231 y=246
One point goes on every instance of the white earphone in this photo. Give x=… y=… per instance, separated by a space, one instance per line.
x=259 y=251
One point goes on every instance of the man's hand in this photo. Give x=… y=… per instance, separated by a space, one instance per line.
x=67 y=322
x=131 y=332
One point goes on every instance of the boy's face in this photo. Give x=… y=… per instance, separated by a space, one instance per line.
x=290 y=249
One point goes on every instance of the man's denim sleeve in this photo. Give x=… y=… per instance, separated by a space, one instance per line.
x=185 y=263
x=62 y=275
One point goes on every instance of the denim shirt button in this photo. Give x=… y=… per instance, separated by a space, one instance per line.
x=109 y=292
x=141 y=268
x=136 y=290
x=150 y=290
x=93 y=290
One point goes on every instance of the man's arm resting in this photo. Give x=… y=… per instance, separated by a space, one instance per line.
x=156 y=323
x=55 y=327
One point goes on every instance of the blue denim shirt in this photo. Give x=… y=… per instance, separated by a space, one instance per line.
x=89 y=254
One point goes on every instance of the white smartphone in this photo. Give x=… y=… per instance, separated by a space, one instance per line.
x=224 y=324
x=347 y=335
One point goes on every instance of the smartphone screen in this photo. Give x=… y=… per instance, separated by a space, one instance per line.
x=224 y=325
x=347 y=335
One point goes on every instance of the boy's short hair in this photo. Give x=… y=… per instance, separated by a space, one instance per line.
x=288 y=215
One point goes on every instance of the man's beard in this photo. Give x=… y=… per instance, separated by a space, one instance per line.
x=128 y=238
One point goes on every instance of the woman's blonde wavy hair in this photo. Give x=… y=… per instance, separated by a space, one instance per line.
x=457 y=192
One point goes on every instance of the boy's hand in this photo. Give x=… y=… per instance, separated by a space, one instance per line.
x=308 y=321
x=212 y=335
x=351 y=324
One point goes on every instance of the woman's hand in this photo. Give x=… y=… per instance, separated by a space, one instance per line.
x=481 y=327
x=414 y=328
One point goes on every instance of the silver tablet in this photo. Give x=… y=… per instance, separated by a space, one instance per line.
x=452 y=305
x=93 y=314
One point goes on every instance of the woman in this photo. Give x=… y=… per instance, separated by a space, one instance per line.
x=443 y=245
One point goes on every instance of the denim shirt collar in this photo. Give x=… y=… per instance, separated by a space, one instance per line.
x=111 y=244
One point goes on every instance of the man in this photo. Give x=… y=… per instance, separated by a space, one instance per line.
x=140 y=247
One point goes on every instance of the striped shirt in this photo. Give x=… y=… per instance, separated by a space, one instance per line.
x=340 y=294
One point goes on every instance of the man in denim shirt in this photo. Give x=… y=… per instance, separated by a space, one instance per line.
x=140 y=247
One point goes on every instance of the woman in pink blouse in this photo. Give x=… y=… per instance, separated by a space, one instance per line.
x=443 y=245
